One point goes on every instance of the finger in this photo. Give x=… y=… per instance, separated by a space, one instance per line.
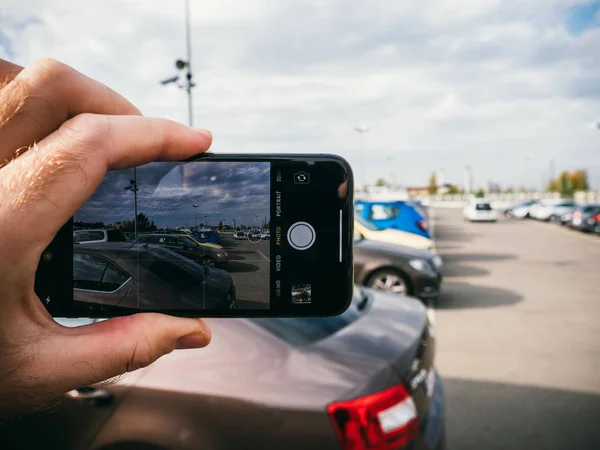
x=97 y=352
x=8 y=71
x=43 y=96
x=46 y=186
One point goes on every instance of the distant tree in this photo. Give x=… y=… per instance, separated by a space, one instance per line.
x=220 y=224
x=433 y=184
x=522 y=189
x=453 y=190
x=268 y=225
x=579 y=180
x=480 y=193
x=510 y=190
x=144 y=223
x=381 y=182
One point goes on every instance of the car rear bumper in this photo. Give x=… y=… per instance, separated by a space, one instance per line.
x=433 y=430
x=427 y=287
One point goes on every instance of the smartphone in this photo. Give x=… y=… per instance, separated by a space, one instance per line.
x=218 y=235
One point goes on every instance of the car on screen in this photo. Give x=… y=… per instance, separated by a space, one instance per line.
x=204 y=244
x=520 y=210
x=239 y=235
x=96 y=236
x=479 y=210
x=369 y=231
x=277 y=383
x=187 y=247
x=152 y=277
x=207 y=236
x=397 y=269
x=398 y=215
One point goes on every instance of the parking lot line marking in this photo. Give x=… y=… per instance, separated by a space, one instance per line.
x=262 y=254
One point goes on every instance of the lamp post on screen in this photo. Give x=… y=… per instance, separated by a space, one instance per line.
x=133 y=187
x=206 y=221
x=233 y=224
x=195 y=220
x=361 y=130
x=184 y=81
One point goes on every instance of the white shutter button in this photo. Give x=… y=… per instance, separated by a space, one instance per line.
x=301 y=236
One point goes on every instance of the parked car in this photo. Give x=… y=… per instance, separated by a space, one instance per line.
x=566 y=218
x=521 y=210
x=552 y=211
x=254 y=235
x=397 y=269
x=98 y=236
x=541 y=204
x=369 y=231
x=586 y=218
x=187 y=247
x=207 y=236
x=265 y=235
x=420 y=207
x=239 y=235
x=365 y=379
x=204 y=244
x=397 y=215
x=479 y=210
x=146 y=277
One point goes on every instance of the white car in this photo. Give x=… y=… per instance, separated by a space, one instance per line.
x=552 y=211
x=97 y=236
x=479 y=210
x=265 y=235
x=239 y=235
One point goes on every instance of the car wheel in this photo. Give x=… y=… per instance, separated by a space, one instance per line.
x=390 y=280
x=208 y=262
x=553 y=219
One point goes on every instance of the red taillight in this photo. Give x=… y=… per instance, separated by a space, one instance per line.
x=423 y=225
x=382 y=421
x=597 y=217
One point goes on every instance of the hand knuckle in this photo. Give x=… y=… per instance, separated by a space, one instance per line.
x=89 y=130
x=48 y=71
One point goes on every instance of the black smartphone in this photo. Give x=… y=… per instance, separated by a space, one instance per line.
x=227 y=235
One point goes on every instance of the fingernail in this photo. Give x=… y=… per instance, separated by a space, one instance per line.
x=195 y=340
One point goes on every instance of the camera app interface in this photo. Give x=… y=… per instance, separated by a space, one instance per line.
x=174 y=236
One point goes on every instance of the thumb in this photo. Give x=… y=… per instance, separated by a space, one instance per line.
x=96 y=352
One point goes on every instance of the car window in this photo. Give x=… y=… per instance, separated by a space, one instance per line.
x=365 y=223
x=187 y=241
x=115 y=236
x=143 y=240
x=96 y=236
x=384 y=212
x=114 y=277
x=304 y=331
x=82 y=236
x=87 y=271
x=483 y=207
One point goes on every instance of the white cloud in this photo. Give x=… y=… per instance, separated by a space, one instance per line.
x=440 y=83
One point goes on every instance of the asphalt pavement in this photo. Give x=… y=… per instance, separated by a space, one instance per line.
x=518 y=334
x=249 y=266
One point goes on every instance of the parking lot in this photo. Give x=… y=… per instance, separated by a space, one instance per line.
x=249 y=267
x=518 y=328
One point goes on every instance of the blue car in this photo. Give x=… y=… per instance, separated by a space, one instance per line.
x=397 y=215
x=207 y=236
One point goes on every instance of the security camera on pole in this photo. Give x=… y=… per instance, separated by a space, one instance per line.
x=185 y=81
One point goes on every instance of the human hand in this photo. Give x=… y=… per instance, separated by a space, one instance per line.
x=60 y=132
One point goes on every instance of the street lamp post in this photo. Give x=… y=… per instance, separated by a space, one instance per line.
x=206 y=221
x=233 y=224
x=133 y=187
x=181 y=64
x=195 y=220
x=361 y=130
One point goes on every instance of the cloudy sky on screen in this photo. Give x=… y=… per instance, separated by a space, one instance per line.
x=505 y=86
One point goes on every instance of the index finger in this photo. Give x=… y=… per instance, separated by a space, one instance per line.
x=8 y=71
x=44 y=187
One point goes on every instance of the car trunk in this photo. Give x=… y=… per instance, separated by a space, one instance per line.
x=392 y=333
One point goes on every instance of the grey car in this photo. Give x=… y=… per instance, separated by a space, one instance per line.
x=145 y=277
x=396 y=268
x=277 y=383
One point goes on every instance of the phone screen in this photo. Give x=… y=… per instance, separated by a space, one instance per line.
x=234 y=237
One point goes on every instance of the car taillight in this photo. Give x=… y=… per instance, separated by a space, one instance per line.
x=382 y=421
x=423 y=225
x=597 y=217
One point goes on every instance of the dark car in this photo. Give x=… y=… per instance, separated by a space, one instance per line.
x=586 y=218
x=121 y=275
x=396 y=268
x=362 y=380
x=187 y=247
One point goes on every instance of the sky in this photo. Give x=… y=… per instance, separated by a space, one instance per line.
x=167 y=191
x=510 y=88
